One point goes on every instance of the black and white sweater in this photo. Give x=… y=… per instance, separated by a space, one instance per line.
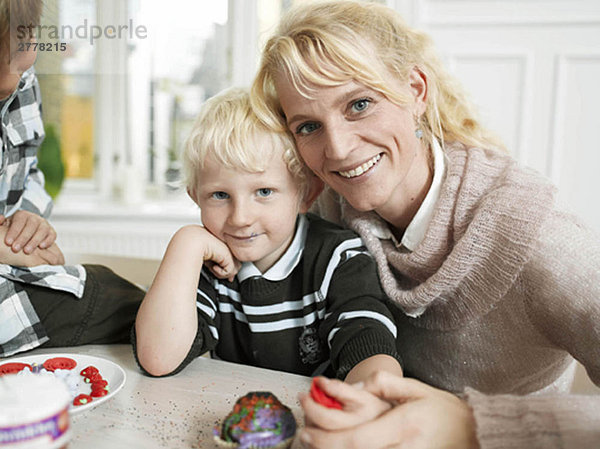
x=319 y=310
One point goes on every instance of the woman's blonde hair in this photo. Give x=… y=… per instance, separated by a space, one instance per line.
x=330 y=43
x=228 y=130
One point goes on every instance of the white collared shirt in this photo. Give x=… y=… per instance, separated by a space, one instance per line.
x=286 y=263
x=415 y=232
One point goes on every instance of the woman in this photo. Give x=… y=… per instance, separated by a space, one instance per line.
x=496 y=289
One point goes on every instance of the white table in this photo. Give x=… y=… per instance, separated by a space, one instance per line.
x=174 y=412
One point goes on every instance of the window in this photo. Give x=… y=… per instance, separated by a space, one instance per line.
x=123 y=95
x=67 y=79
x=125 y=91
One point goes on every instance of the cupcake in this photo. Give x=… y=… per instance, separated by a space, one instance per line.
x=258 y=420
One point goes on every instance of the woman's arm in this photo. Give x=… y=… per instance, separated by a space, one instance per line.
x=561 y=284
x=167 y=321
x=561 y=287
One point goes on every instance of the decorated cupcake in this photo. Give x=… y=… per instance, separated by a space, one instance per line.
x=258 y=420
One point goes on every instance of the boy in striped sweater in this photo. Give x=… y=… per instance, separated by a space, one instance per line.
x=261 y=282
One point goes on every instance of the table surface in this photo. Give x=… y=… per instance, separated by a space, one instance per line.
x=173 y=412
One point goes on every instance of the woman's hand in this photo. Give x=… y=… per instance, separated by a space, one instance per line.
x=27 y=231
x=422 y=417
x=358 y=406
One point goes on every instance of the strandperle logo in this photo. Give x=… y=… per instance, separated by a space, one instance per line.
x=91 y=33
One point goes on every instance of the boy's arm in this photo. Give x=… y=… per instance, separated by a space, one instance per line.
x=167 y=321
x=361 y=334
x=359 y=329
x=369 y=366
x=35 y=199
x=29 y=204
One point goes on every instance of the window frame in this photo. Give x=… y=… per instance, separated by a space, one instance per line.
x=120 y=176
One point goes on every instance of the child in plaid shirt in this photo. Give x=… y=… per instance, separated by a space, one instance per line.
x=41 y=300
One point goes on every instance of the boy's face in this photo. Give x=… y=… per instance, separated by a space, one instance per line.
x=11 y=69
x=253 y=213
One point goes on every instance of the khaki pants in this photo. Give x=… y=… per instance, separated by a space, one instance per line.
x=105 y=313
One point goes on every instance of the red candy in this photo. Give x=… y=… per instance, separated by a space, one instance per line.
x=88 y=371
x=323 y=398
x=99 y=383
x=91 y=375
x=99 y=392
x=59 y=363
x=13 y=367
x=93 y=378
x=82 y=399
x=99 y=386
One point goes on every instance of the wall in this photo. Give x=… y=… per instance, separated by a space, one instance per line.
x=532 y=67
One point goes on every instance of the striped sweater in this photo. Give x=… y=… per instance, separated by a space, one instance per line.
x=319 y=310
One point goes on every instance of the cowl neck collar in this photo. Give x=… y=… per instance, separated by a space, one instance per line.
x=481 y=234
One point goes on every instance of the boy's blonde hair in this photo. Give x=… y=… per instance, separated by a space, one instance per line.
x=15 y=14
x=228 y=130
x=330 y=43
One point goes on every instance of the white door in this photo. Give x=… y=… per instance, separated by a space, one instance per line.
x=533 y=69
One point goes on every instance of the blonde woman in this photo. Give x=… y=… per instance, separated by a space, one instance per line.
x=496 y=288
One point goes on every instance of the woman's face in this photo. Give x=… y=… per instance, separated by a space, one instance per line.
x=359 y=143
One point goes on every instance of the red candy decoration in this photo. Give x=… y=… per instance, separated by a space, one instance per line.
x=99 y=392
x=13 y=367
x=59 y=363
x=95 y=377
x=91 y=375
x=323 y=398
x=82 y=399
x=88 y=371
x=99 y=383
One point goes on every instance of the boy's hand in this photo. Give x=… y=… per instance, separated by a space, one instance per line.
x=49 y=256
x=358 y=406
x=27 y=231
x=216 y=255
x=218 y=258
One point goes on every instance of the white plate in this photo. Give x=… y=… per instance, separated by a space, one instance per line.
x=110 y=371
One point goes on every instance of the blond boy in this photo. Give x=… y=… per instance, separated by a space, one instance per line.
x=261 y=282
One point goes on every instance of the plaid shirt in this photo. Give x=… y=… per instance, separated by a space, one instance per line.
x=22 y=188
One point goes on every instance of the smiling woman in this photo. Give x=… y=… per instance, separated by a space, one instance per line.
x=488 y=276
x=390 y=172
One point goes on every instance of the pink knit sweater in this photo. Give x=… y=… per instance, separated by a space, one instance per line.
x=501 y=294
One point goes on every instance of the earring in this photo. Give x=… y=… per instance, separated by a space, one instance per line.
x=418 y=131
